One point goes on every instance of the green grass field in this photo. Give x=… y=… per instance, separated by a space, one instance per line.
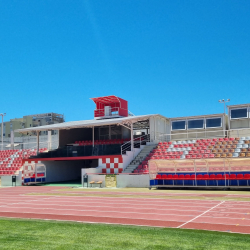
x=34 y=234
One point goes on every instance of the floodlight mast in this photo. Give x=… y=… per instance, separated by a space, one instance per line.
x=2 y=114
x=224 y=102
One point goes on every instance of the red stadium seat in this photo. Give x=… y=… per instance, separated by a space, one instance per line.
x=220 y=177
x=199 y=177
x=232 y=177
x=239 y=177
x=175 y=177
x=164 y=177
x=158 y=177
x=247 y=178
x=206 y=178
x=225 y=177
x=212 y=177
x=181 y=177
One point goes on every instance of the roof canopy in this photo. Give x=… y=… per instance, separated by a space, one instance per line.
x=89 y=123
x=107 y=99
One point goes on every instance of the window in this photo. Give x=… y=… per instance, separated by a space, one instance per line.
x=239 y=113
x=178 y=125
x=193 y=124
x=213 y=122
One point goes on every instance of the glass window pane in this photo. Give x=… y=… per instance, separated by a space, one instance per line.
x=239 y=113
x=195 y=124
x=213 y=122
x=178 y=125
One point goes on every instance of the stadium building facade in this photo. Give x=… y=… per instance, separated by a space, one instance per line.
x=139 y=148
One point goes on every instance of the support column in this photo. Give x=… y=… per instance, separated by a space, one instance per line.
x=12 y=139
x=93 y=136
x=195 y=172
x=155 y=128
x=49 y=140
x=132 y=138
x=109 y=132
x=37 y=141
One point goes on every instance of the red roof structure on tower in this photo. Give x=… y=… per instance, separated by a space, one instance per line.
x=110 y=106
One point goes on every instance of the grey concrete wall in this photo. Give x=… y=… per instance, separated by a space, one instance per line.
x=136 y=181
x=122 y=180
x=6 y=180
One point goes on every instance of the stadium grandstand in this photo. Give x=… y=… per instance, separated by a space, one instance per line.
x=139 y=151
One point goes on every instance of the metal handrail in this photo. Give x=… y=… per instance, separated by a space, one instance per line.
x=204 y=134
x=111 y=109
x=137 y=141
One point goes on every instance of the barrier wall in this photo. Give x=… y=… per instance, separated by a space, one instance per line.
x=6 y=180
x=123 y=180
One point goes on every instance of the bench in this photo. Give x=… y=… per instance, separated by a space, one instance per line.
x=95 y=182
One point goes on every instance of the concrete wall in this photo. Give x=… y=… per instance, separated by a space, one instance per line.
x=136 y=181
x=95 y=177
x=6 y=180
x=122 y=180
x=239 y=133
x=239 y=123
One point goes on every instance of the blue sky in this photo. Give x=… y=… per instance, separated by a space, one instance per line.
x=175 y=58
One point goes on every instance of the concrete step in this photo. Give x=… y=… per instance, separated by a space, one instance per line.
x=139 y=158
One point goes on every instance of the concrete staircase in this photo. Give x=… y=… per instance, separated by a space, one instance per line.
x=139 y=158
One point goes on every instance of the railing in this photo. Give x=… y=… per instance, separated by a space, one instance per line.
x=138 y=141
x=112 y=111
x=30 y=142
x=204 y=134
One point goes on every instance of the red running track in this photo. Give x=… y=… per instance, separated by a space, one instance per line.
x=227 y=216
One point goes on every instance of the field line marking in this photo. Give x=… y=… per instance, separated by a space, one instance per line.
x=200 y=214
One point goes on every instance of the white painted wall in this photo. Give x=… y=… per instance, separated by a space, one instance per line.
x=136 y=181
x=129 y=156
x=94 y=177
x=6 y=180
x=123 y=181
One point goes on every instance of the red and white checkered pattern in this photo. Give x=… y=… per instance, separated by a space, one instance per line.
x=112 y=164
x=29 y=173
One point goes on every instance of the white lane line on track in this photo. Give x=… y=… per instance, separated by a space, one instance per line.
x=113 y=217
x=113 y=203
x=113 y=200
x=125 y=198
x=91 y=210
x=95 y=207
x=84 y=199
x=200 y=215
x=102 y=206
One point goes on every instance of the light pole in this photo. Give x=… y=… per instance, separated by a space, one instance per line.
x=224 y=101
x=3 y=114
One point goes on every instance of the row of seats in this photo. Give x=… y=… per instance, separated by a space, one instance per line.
x=198 y=149
x=215 y=148
x=101 y=142
x=11 y=160
x=142 y=169
x=205 y=177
